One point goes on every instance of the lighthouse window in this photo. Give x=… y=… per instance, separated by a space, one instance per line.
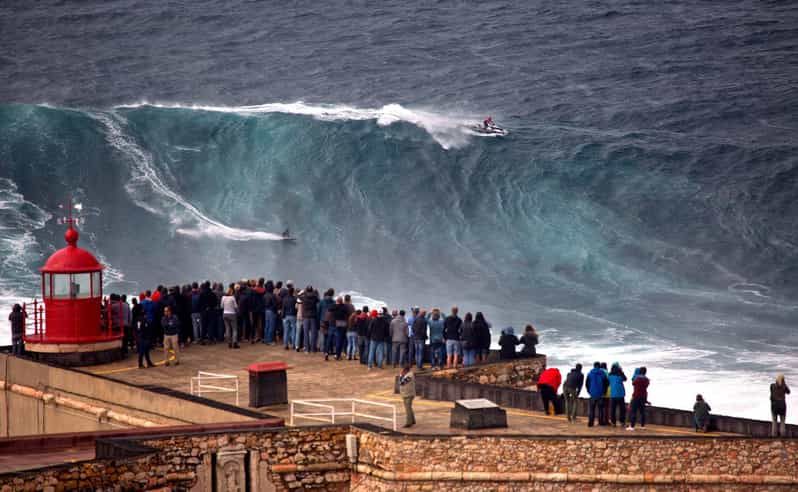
x=96 y=284
x=72 y=286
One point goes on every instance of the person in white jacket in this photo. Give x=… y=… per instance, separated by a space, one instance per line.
x=230 y=317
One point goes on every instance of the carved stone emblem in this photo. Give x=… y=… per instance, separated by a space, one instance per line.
x=231 y=475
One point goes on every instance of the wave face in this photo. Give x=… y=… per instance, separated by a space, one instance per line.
x=643 y=207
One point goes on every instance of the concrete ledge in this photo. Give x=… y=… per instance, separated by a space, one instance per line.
x=444 y=389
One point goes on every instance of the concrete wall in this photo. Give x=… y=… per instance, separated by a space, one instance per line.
x=37 y=398
x=448 y=389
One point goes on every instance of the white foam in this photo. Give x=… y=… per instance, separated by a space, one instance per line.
x=19 y=219
x=359 y=300
x=675 y=379
x=449 y=131
x=149 y=191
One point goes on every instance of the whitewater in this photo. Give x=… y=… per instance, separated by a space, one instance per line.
x=643 y=208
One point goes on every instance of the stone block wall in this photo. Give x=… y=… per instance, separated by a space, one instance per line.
x=282 y=459
x=515 y=373
x=604 y=463
x=315 y=458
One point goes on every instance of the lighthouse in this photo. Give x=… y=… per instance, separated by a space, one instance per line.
x=71 y=330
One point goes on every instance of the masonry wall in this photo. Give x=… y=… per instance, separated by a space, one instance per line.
x=315 y=458
x=516 y=373
x=608 y=463
x=267 y=459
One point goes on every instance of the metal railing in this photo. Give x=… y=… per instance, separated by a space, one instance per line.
x=328 y=413
x=199 y=384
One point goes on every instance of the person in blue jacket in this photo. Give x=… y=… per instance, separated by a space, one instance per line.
x=597 y=383
x=617 y=394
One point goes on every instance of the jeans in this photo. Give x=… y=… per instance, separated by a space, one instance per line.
x=571 y=400
x=311 y=331
x=469 y=357
x=351 y=344
x=143 y=348
x=419 y=345
x=329 y=341
x=616 y=404
x=595 y=403
x=363 y=349
x=452 y=347
x=339 y=335
x=438 y=354
x=206 y=325
x=289 y=329
x=257 y=324
x=775 y=426
x=400 y=353
x=196 y=325
x=376 y=353
x=268 y=326
x=16 y=345
x=638 y=405
x=230 y=328
x=299 y=337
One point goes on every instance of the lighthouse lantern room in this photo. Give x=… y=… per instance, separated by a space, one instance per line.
x=75 y=332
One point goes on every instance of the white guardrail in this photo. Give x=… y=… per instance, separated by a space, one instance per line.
x=199 y=384
x=328 y=413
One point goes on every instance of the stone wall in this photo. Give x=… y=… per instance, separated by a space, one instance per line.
x=315 y=458
x=516 y=373
x=607 y=463
x=266 y=459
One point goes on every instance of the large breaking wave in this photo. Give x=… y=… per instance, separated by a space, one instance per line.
x=647 y=244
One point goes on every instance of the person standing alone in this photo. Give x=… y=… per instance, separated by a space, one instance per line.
x=407 y=389
x=778 y=406
x=17 y=319
x=171 y=329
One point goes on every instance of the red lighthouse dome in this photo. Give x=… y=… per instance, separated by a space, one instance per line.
x=71 y=259
x=72 y=330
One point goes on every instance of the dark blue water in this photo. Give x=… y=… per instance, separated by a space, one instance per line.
x=644 y=205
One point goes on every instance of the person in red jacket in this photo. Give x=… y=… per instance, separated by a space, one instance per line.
x=639 y=399
x=548 y=383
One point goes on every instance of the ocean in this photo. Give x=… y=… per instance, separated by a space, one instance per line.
x=643 y=208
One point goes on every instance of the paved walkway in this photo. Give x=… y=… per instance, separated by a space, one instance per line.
x=311 y=377
x=12 y=462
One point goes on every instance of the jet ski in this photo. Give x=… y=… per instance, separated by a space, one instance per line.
x=490 y=130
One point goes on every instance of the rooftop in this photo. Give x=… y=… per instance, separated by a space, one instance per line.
x=311 y=377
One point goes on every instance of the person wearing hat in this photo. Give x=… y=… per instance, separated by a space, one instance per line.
x=701 y=411
x=508 y=342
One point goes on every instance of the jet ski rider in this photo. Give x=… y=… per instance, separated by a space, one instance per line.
x=488 y=123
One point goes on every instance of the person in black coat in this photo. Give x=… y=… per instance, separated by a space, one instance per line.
x=17 y=319
x=470 y=340
x=529 y=339
x=507 y=342
x=482 y=328
x=142 y=333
